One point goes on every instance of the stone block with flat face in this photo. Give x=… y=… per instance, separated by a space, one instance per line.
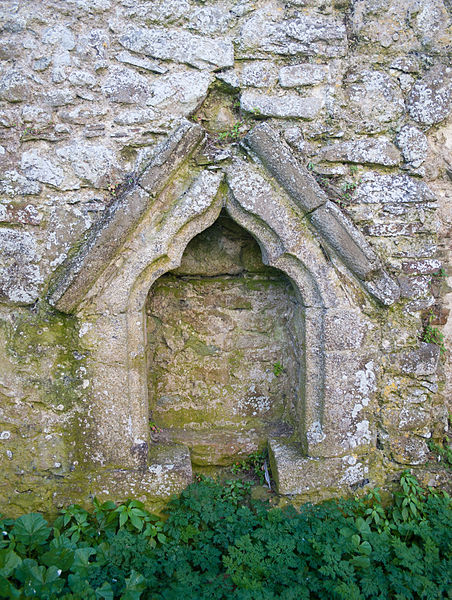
x=296 y=474
x=168 y=473
x=278 y=159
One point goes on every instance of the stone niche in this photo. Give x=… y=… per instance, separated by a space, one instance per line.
x=233 y=305
x=223 y=341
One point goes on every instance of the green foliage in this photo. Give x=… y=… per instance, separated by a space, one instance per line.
x=216 y=544
x=443 y=452
x=154 y=427
x=432 y=335
x=277 y=369
x=240 y=127
x=252 y=465
x=441 y=273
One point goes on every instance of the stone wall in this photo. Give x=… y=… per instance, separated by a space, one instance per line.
x=361 y=93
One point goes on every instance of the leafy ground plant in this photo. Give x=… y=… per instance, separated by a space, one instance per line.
x=217 y=544
x=253 y=466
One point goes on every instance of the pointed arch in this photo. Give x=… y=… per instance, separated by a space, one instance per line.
x=144 y=234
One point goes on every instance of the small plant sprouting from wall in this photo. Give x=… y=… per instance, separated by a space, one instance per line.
x=240 y=128
x=116 y=188
x=221 y=115
x=432 y=334
x=254 y=465
x=339 y=193
x=443 y=450
x=278 y=369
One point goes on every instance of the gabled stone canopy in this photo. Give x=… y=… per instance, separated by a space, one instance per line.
x=106 y=238
x=144 y=234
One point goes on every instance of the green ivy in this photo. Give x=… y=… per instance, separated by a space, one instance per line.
x=217 y=544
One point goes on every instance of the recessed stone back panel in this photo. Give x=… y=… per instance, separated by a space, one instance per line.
x=224 y=347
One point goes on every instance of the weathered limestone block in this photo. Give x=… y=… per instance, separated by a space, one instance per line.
x=346 y=416
x=302 y=74
x=419 y=362
x=14 y=86
x=160 y=12
x=422 y=266
x=280 y=162
x=94 y=164
x=59 y=35
x=318 y=31
x=20 y=276
x=179 y=46
x=42 y=169
x=181 y=92
x=59 y=97
x=20 y=213
x=169 y=155
x=9 y=49
x=377 y=151
x=103 y=335
x=12 y=184
x=297 y=475
x=259 y=34
x=169 y=473
x=288 y=105
x=431 y=97
x=82 y=79
x=209 y=20
x=107 y=436
x=374 y=100
x=33 y=113
x=408 y=449
x=267 y=32
x=126 y=86
x=349 y=330
x=340 y=234
x=142 y=63
x=82 y=116
x=136 y=116
x=260 y=74
x=415 y=287
x=392 y=189
x=413 y=144
x=392 y=229
x=407 y=417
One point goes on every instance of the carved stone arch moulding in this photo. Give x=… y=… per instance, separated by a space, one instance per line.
x=334 y=272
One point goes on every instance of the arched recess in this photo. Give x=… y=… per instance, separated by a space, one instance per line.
x=144 y=235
